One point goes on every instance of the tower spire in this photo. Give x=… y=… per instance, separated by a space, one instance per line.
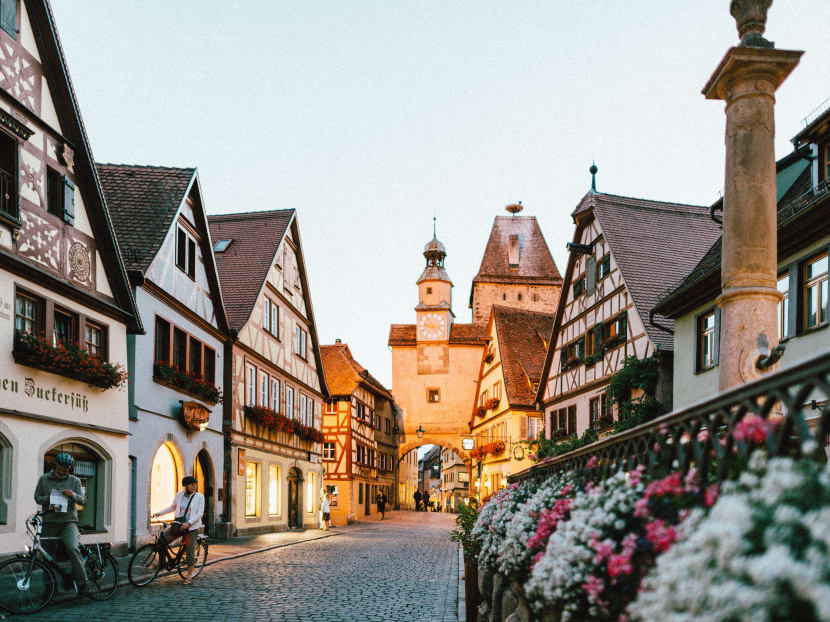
x=593 y=170
x=433 y=227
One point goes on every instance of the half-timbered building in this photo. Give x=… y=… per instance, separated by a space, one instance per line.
x=175 y=383
x=274 y=379
x=504 y=416
x=65 y=302
x=803 y=193
x=361 y=427
x=625 y=253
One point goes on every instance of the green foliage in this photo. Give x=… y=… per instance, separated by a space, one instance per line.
x=466 y=519
x=635 y=374
x=551 y=448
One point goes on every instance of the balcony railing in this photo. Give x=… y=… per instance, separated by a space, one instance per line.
x=703 y=435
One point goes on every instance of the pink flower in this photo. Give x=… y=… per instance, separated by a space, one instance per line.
x=636 y=476
x=603 y=549
x=660 y=535
x=752 y=428
x=703 y=436
x=594 y=586
x=619 y=564
x=537 y=557
x=711 y=495
x=592 y=462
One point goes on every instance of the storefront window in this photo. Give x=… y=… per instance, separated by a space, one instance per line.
x=252 y=489
x=164 y=478
x=311 y=493
x=87 y=469
x=274 y=489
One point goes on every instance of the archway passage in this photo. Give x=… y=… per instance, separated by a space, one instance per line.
x=432 y=477
x=203 y=472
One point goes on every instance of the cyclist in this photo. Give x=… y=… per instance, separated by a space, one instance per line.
x=63 y=524
x=189 y=506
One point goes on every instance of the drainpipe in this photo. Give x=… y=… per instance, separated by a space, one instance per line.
x=746 y=80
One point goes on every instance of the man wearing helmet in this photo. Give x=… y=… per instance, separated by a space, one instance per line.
x=189 y=505
x=63 y=524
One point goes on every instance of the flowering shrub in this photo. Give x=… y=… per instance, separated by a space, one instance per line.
x=67 y=359
x=762 y=553
x=189 y=381
x=280 y=423
x=480 y=411
x=495 y=448
x=493 y=519
x=527 y=534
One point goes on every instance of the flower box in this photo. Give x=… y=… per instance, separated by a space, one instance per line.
x=192 y=383
x=593 y=358
x=492 y=403
x=277 y=422
x=480 y=411
x=571 y=363
x=67 y=360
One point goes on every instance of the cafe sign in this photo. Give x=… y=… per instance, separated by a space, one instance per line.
x=195 y=415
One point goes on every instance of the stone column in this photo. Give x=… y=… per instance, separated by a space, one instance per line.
x=746 y=80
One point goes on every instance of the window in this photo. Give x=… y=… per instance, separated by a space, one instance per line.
x=593 y=411
x=784 y=306
x=275 y=395
x=164 y=478
x=180 y=349
x=274 y=489
x=706 y=340
x=328 y=451
x=310 y=411
x=88 y=468
x=195 y=356
x=264 y=385
x=590 y=343
x=572 y=419
x=64 y=327
x=534 y=427
x=8 y=171
x=186 y=252
x=303 y=409
x=252 y=489
x=519 y=297
x=210 y=365
x=300 y=342
x=54 y=192
x=360 y=411
x=360 y=493
x=310 y=492
x=250 y=380
x=497 y=390
x=92 y=338
x=433 y=396
x=361 y=454
x=221 y=246
x=606 y=407
x=26 y=316
x=429 y=290
x=579 y=287
x=388 y=426
x=603 y=267
x=289 y=402
x=482 y=399
x=8 y=17
x=815 y=291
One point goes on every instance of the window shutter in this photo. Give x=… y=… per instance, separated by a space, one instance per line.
x=68 y=201
x=716 y=353
x=275 y=320
x=523 y=427
x=622 y=326
x=591 y=275
x=795 y=314
x=266 y=315
x=598 y=338
x=8 y=17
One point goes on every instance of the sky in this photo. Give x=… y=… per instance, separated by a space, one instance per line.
x=370 y=118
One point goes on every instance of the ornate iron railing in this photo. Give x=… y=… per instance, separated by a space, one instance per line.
x=703 y=435
x=815 y=114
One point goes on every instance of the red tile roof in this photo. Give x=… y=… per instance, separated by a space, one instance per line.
x=344 y=374
x=142 y=201
x=521 y=350
x=535 y=261
x=244 y=265
x=470 y=334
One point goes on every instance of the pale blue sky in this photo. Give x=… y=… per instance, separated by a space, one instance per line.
x=370 y=117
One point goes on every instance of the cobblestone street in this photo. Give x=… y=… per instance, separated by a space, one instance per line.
x=402 y=569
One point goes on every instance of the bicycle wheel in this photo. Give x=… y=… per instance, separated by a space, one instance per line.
x=19 y=596
x=144 y=565
x=102 y=581
x=201 y=558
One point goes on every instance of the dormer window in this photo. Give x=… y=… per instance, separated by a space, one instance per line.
x=186 y=252
x=221 y=246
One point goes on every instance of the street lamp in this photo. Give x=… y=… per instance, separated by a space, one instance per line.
x=420 y=431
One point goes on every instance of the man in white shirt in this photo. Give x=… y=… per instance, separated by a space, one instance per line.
x=189 y=506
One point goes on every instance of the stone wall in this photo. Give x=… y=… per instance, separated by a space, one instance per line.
x=542 y=298
x=504 y=600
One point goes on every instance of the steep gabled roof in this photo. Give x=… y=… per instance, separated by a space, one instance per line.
x=344 y=374
x=255 y=236
x=521 y=351
x=69 y=115
x=143 y=201
x=460 y=334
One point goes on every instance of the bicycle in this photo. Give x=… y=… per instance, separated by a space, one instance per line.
x=150 y=559
x=28 y=583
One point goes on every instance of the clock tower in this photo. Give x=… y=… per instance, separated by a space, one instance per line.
x=434 y=310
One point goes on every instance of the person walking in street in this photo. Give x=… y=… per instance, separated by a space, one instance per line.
x=417 y=497
x=325 y=507
x=189 y=506
x=61 y=518
x=426 y=500
x=380 y=500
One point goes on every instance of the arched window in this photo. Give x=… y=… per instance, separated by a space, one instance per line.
x=164 y=478
x=5 y=479
x=88 y=468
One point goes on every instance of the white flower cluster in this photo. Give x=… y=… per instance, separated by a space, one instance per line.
x=516 y=556
x=494 y=518
x=557 y=579
x=762 y=553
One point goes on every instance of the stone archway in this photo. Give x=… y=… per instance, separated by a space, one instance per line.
x=433 y=440
x=204 y=474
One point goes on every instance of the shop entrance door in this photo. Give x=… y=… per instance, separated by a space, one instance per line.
x=294 y=479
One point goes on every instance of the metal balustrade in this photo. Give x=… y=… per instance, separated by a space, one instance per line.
x=703 y=435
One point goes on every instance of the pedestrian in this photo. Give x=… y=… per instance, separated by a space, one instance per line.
x=426 y=500
x=380 y=499
x=326 y=509
x=58 y=492
x=189 y=506
x=417 y=497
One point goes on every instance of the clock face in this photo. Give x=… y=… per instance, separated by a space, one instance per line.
x=431 y=326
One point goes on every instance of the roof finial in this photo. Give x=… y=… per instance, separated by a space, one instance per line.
x=514 y=208
x=593 y=170
x=433 y=227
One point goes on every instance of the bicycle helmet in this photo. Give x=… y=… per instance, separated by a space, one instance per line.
x=189 y=479
x=65 y=459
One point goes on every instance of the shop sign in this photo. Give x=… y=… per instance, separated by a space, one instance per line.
x=468 y=443
x=67 y=399
x=195 y=415
x=241 y=461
